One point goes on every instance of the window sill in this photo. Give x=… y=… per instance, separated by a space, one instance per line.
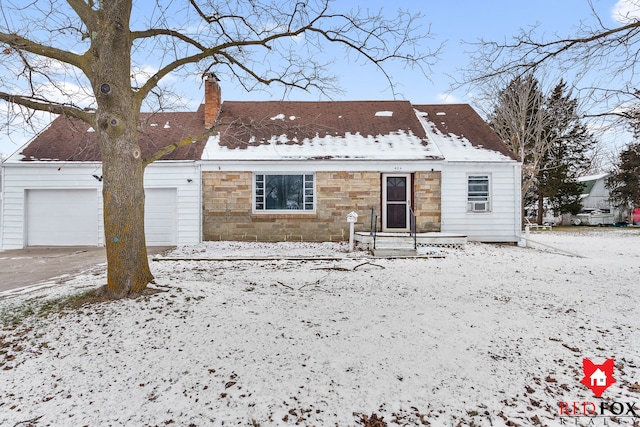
x=286 y=215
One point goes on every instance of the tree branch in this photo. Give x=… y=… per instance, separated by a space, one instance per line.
x=154 y=32
x=20 y=43
x=172 y=147
x=84 y=12
x=48 y=106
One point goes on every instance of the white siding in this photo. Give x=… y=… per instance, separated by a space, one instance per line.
x=19 y=177
x=185 y=178
x=503 y=222
x=66 y=217
x=598 y=198
x=160 y=221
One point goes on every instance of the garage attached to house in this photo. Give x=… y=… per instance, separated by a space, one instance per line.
x=51 y=190
x=62 y=217
x=71 y=217
x=160 y=222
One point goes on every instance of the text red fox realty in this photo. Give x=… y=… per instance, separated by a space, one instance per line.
x=597 y=378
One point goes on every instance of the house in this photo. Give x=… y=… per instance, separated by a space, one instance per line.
x=595 y=199
x=277 y=171
x=598 y=378
x=595 y=194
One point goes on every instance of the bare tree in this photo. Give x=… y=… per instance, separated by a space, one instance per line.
x=602 y=61
x=545 y=131
x=87 y=59
x=520 y=118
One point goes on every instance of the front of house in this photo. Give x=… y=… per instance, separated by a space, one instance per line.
x=294 y=170
x=279 y=171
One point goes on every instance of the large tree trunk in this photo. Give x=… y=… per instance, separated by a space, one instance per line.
x=123 y=193
x=116 y=127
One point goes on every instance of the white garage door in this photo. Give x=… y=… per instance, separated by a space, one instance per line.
x=62 y=217
x=160 y=222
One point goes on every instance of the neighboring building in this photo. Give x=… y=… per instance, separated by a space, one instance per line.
x=277 y=171
x=595 y=198
x=595 y=194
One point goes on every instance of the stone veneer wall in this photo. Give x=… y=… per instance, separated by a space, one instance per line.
x=426 y=200
x=227 y=207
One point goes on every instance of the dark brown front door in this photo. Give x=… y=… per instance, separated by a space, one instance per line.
x=396 y=202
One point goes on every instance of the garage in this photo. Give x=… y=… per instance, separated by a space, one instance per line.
x=69 y=217
x=160 y=221
x=62 y=217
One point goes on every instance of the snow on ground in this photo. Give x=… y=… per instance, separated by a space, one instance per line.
x=491 y=335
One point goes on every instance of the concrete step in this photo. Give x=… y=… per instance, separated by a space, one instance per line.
x=394 y=252
x=392 y=241
x=385 y=244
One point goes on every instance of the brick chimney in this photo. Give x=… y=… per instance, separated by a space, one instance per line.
x=212 y=99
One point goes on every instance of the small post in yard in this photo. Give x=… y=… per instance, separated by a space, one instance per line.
x=526 y=234
x=352 y=217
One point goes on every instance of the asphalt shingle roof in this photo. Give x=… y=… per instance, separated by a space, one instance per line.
x=71 y=139
x=244 y=124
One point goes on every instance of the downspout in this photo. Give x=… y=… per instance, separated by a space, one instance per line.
x=200 y=200
x=517 y=188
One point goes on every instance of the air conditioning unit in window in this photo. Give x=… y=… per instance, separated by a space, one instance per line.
x=480 y=206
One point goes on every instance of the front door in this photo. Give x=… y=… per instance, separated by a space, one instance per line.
x=396 y=199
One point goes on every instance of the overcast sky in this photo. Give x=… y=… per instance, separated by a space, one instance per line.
x=452 y=22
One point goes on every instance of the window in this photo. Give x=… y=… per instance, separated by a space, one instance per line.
x=284 y=192
x=478 y=193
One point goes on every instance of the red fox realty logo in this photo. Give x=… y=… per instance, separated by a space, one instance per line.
x=597 y=377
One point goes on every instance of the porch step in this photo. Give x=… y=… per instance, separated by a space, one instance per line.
x=393 y=252
x=404 y=241
x=394 y=247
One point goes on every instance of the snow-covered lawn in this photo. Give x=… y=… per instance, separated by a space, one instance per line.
x=489 y=335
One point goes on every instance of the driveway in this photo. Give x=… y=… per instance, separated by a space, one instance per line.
x=24 y=267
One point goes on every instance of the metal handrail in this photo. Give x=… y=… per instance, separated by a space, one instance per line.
x=412 y=228
x=373 y=228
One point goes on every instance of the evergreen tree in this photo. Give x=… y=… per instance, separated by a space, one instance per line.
x=624 y=181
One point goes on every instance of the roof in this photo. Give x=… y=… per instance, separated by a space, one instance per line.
x=387 y=130
x=273 y=130
x=295 y=130
x=587 y=186
x=589 y=181
x=592 y=177
x=70 y=139
x=457 y=127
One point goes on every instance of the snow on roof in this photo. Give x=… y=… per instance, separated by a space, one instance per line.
x=592 y=177
x=396 y=146
x=457 y=147
x=296 y=130
x=374 y=130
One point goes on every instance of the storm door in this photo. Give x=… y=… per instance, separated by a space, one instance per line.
x=396 y=199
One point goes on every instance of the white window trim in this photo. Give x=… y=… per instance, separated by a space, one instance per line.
x=282 y=211
x=489 y=201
